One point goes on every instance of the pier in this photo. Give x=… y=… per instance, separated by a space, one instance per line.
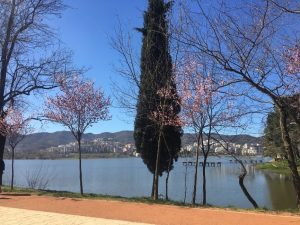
x=208 y=164
x=219 y=164
x=250 y=161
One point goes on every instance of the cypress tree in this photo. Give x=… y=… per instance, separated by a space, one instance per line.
x=156 y=73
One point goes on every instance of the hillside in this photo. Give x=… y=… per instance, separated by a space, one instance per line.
x=39 y=141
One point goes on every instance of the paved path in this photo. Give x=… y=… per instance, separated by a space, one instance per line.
x=13 y=216
x=115 y=212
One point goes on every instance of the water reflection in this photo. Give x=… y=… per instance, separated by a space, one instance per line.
x=281 y=191
x=129 y=178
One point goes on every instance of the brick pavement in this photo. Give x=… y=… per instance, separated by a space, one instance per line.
x=13 y=216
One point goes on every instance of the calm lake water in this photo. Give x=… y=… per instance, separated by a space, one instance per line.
x=129 y=177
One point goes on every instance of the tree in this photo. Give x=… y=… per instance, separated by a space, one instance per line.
x=166 y=115
x=196 y=97
x=243 y=173
x=77 y=107
x=292 y=61
x=251 y=52
x=287 y=6
x=272 y=141
x=126 y=86
x=14 y=126
x=25 y=65
x=205 y=109
x=156 y=73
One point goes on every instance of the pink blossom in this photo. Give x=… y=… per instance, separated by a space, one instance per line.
x=78 y=106
x=292 y=58
x=14 y=125
x=165 y=114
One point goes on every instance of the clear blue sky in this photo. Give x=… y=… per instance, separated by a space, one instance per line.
x=86 y=28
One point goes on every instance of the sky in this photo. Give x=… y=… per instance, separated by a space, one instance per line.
x=86 y=28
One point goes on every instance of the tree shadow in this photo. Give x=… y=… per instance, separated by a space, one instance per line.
x=15 y=194
x=4 y=198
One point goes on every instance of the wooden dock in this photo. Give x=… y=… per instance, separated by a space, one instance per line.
x=219 y=164
x=251 y=161
x=208 y=164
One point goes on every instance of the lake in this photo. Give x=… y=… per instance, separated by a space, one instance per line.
x=129 y=177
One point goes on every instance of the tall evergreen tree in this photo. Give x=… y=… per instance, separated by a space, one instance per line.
x=156 y=73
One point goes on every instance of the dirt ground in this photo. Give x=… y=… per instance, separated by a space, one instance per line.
x=145 y=213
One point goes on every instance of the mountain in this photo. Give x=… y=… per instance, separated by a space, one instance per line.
x=39 y=141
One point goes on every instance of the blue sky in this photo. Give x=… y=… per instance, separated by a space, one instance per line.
x=85 y=28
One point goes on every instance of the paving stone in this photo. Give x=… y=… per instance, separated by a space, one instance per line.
x=13 y=216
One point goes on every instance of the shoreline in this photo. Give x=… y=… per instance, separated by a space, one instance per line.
x=144 y=212
x=88 y=156
x=279 y=167
x=145 y=200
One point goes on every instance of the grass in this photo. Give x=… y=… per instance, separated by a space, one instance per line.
x=277 y=166
x=147 y=200
x=66 y=194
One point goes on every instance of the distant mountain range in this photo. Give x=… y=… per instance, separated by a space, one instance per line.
x=39 y=141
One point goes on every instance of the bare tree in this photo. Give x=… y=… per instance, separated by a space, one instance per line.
x=126 y=87
x=288 y=6
x=28 y=61
x=39 y=178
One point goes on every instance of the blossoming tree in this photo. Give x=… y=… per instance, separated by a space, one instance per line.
x=292 y=60
x=196 y=96
x=250 y=51
x=78 y=106
x=207 y=107
x=14 y=126
x=164 y=116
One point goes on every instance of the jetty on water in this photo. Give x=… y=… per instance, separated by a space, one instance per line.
x=219 y=164
x=208 y=164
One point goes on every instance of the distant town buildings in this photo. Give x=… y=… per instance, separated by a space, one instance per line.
x=99 y=145
x=109 y=145
x=222 y=147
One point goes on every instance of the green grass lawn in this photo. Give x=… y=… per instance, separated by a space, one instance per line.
x=278 y=166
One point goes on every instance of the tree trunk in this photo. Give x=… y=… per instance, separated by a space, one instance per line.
x=289 y=151
x=5 y=57
x=169 y=167
x=204 y=180
x=2 y=145
x=153 y=181
x=80 y=168
x=244 y=189
x=196 y=173
x=156 y=178
x=12 y=169
x=185 y=183
x=167 y=179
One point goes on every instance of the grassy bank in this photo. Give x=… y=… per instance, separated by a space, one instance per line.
x=277 y=166
x=66 y=194
x=147 y=200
